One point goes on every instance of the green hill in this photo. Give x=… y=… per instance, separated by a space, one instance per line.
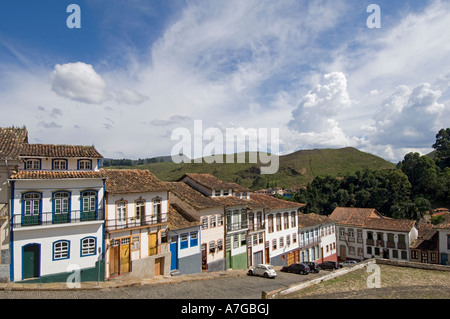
x=295 y=169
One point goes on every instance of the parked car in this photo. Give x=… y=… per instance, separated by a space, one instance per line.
x=314 y=267
x=263 y=270
x=298 y=268
x=349 y=263
x=330 y=265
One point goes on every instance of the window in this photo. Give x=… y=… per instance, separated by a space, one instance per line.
x=433 y=257
x=60 y=164
x=31 y=204
x=293 y=222
x=212 y=221
x=360 y=251
x=351 y=250
x=140 y=209
x=414 y=254
x=395 y=253
x=219 y=220
x=61 y=250
x=194 y=238
x=88 y=246
x=260 y=238
x=235 y=241
x=278 y=222
x=448 y=241
x=33 y=164
x=135 y=243
x=157 y=208
x=404 y=254
x=281 y=242
x=205 y=223
x=294 y=238
x=286 y=220
x=121 y=211
x=258 y=220
x=212 y=247
x=288 y=240
x=217 y=192
x=84 y=164
x=274 y=244
x=369 y=250
x=243 y=239
x=255 y=240
x=88 y=205
x=270 y=224
x=61 y=202
x=184 y=241
x=220 y=244
x=226 y=192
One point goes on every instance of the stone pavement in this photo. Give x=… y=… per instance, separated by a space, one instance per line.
x=122 y=281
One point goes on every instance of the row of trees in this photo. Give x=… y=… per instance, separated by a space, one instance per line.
x=407 y=191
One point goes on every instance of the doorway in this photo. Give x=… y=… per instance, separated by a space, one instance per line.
x=31 y=261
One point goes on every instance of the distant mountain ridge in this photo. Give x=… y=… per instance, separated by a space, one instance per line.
x=295 y=170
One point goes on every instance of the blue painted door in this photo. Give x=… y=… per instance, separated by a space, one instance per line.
x=174 y=252
x=444 y=259
x=31 y=261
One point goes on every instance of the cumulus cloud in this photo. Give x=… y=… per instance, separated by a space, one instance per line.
x=319 y=107
x=410 y=117
x=130 y=96
x=80 y=82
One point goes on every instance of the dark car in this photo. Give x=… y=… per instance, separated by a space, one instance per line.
x=314 y=267
x=299 y=268
x=330 y=265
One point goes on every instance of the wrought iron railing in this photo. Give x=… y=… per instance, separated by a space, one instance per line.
x=51 y=218
x=122 y=223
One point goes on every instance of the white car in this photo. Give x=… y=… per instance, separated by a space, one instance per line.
x=263 y=270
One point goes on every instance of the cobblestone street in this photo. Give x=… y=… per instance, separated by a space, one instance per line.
x=238 y=286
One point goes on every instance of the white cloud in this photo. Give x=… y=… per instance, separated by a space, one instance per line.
x=79 y=81
x=320 y=106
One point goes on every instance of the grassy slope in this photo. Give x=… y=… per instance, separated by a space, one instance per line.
x=295 y=169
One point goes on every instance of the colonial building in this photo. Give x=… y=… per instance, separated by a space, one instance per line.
x=349 y=230
x=184 y=237
x=425 y=248
x=317 y=238
x=281 y=229
x=444 y=240
x=136 y=224
x=388 y=238
x=210 y=215
x=57 y=214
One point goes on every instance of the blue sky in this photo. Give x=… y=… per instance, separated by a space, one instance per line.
x=136 y=70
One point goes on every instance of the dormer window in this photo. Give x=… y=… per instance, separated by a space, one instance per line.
x=84 y=164
x=217 y=192
x=33 y=164
x=226 y=192
x=60 y=164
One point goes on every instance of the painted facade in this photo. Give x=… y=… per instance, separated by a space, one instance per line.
x=136 y=224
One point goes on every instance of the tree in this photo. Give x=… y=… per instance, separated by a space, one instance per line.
x=442 y=147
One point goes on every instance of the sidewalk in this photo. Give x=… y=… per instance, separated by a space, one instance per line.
x=122 y=281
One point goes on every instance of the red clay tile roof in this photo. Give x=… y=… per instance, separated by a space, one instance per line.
x=271 y=202
x=190 y=196
x=179 y=219
x=353 y=216
x=402 y=225
x=50 y=150
x=308 y=220
x=11 y=142
x=213 y=182
x=120 y=181
x=55 y=175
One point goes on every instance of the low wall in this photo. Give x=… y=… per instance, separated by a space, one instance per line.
x=412 y=264
x=332 y=275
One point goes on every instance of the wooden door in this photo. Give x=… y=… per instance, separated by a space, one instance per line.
x=267 y=255
x=424 y=257
x=290 y=258
x=204 y=257
x=159 y=264
x=152 y=244
x=31 y=261
x=125 y=255
x=343 y=253
x=114 y=260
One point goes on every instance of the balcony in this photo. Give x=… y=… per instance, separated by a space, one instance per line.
x=237 y=226
x=369 y=242
x=390 y=244
x=257 y=226
x=52 y=218
x=380 y=243
x=401 y=245
x=132 y=222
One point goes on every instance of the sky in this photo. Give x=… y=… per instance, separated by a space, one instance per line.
x=135 y=71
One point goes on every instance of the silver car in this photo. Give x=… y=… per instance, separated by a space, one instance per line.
x=263 y=270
